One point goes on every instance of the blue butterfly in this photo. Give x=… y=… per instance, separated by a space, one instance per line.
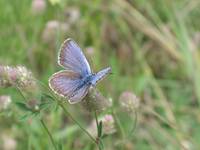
x=73 y=83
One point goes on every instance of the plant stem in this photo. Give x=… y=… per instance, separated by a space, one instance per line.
x=135 y=124
x=42 y=122
x=69 y=115
x=98 y=141
x=86 y=132
x=118 y=123
x=20 y=92
x=49 y=134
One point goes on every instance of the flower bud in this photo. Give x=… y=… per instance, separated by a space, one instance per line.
x=33 y=104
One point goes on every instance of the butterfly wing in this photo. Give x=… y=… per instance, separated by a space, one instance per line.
x=72 y=58
x=78 y=95
x=64 y=83
x=101 y=75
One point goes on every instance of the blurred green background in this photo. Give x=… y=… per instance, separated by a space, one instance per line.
x=153 y=47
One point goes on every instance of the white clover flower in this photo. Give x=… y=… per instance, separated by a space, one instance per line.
x=108 y=125
x=72 y=14
x=5 y=101
x=129 y=101
x=38 y=6
x=51 y=29
x=95 y=101
x=25 y=79
x=9 y=143
x=18 y=76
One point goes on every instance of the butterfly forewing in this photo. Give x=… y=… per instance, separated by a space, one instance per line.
x=72 y=58
x=65 y=83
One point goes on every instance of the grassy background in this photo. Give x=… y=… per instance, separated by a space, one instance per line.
x=152 y=47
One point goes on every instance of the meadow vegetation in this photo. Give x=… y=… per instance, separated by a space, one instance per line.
x=153 y=49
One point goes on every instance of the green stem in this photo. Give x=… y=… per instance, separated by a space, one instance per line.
x=42 y=122
x=69 y=115
x=20 y=92
x=72 y=118
x=118 y=123
x=135 y=124
x=49 y=134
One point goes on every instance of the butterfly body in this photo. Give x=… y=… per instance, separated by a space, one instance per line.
x=74 y=82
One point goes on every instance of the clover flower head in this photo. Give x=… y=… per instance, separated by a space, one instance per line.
x=129 y=101
x=38 y=6
x=95 y=101
x=8 y=142
x=18 y=76
x=72 y=14
x=5 y=101
x=108 y=125
x=51 y=29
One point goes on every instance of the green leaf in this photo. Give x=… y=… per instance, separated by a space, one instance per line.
x=47 y=102
x=60 y=147
x=101 y=146
x=23 y=106
x=54 y=2
x=44 y=95
x=25 y=117
x=100 y=129
x=30 y=115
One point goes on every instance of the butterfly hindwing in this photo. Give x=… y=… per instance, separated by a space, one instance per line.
x=79 y=94
x=65 y=83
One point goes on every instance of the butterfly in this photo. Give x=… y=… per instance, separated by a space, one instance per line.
x=74 y=82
